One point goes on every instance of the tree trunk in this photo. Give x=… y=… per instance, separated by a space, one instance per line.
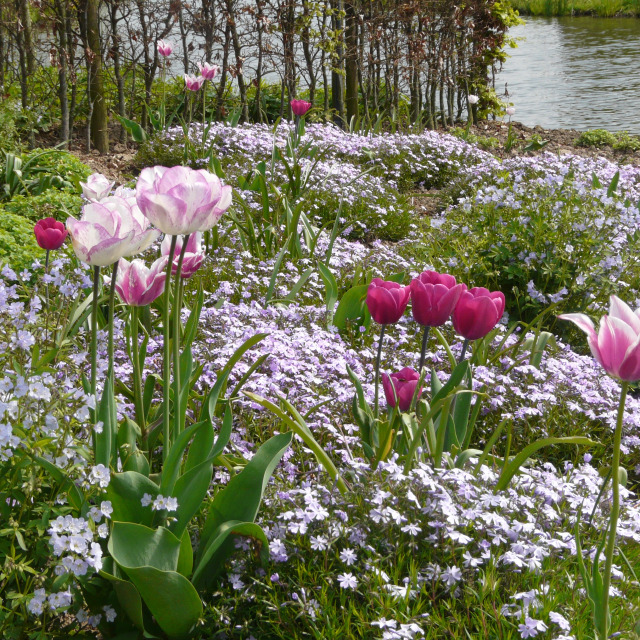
x=99 y=116
x=351 y=61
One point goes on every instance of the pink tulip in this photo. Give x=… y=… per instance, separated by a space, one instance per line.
x=96 y=187
x=193 y=83
x=165 y=49
x=208 y=71
x=50 y=234
x=138 y=285
x=193 y=256
x=387 y=300
x=404 y=382
x=510 y=111
x=616 y=346
x=300 y=107
x=433 y=298
x=477 y=312
x=111 y=229
x=181 y=200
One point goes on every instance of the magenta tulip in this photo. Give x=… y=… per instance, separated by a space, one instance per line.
x=193 y=256
x=193 y=83
x=404 y=382
x=433 y=298
x=387 y=300
x=208 y=71
x=181 y=200
x=477 y=312
x=300 y=107
x=165 y=48
x=50 y=234
x=96 y=187
x=139 y=285
x=616 y=346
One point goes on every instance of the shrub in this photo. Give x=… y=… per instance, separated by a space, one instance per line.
x=52 y=203
x=18 y=246
x=596 y=138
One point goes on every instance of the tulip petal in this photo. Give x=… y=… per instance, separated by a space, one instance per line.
x=621 y=310
x=614 y=339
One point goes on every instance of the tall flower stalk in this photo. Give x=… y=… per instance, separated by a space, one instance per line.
x=616 y=347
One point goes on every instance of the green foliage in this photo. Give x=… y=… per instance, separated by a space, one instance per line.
x=596 y=138
x=53 y=203
x=18 y=246
x=555 y=243
x=383 y=218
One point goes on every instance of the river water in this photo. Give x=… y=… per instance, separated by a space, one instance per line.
x=575 y=73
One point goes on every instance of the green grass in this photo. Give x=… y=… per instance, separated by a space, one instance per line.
x=601 y=8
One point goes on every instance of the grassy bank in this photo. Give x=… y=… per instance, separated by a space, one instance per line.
x=601 y=8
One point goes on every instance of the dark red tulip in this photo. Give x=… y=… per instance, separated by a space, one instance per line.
x=434 y=297
x=300 y=107
x=387 y=300
x=50 y=234
x=404 y=382
x=477 y=312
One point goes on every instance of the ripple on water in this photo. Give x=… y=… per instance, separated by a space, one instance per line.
x=575 y=73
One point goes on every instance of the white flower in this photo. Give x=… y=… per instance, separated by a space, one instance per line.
x=163 y=504
x=560 y=620
x=348 y=556
x=100 y=475
x=347 y=581
x=146 y=499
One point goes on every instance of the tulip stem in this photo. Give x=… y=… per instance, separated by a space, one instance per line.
x=166 y=391
x=112 y=297
x=463 y=353
x=46 y=273
x=94 y=347
x=615 y=513
x=137 y=372
x=177 y=309
x=423 y=350
x=377 y=379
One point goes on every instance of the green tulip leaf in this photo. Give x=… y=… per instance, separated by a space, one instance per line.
x=240 y=499
x=352 y=306
x=221 y=546
x=125 y=491
x=190 y=490
x=512 y=468
x=150 y=559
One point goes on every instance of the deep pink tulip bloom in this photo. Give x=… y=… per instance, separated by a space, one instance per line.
x=165 y=49
x=193 y=255
x=477 y=312
x=433 y=298
x=193 y=83
x=208 y=71
x=404 y=382
x=181 y=200
x=50 y=234
x=111 y=229
x=387 y=300
x=616 y=346
x=300 y=107
x=139 y=285
x=96 y=187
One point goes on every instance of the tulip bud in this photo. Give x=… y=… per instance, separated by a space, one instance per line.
x=404 y=382
x=50 y=234
x=300 y=107
x=193 y=83
x=208 y=71
x=387 y=301
x=165 y=48
x=433 y=298
x=477 y=312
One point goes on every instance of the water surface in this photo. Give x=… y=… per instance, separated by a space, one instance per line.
x=575 y=73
